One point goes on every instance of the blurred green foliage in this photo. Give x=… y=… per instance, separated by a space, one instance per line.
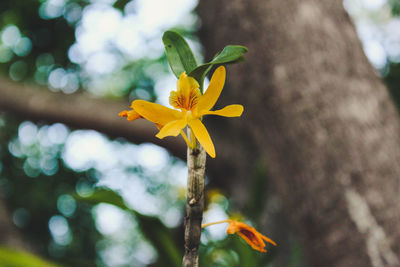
x=395 y=4
x=14 y=258
x=34 y=195
x=48 y=37
x=154 y=230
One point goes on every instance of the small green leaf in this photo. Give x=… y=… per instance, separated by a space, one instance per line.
x=13 y=258
x=179 y=54
x=230 y=54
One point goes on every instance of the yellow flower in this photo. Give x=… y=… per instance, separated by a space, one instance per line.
x=192 y=107
x=254 y=238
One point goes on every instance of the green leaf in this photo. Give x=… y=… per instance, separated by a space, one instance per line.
x=179 y=54
x=153 y=229
x=104 y=196
x=15 y=258
x=120 y=4
x=230 y=54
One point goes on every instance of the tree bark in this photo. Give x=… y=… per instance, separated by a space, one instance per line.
x=317 y=113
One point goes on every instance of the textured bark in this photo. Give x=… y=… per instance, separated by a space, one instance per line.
x=317 y=113
x=196 y=160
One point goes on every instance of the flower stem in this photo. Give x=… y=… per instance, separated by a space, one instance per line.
x=189 y=144
x=196 y=160
x=208 y=224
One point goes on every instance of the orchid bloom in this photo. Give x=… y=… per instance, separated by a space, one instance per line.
x=254 y=238
x=190 y=106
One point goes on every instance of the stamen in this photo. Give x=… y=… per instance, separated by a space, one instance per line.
x=189 y=144
x=219 y=222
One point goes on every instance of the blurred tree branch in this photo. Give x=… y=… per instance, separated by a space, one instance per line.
x=82 y=111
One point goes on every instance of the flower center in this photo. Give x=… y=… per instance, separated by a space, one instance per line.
x=187 y=95
x=189 y=116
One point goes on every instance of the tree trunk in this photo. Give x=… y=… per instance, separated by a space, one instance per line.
x=317 y=113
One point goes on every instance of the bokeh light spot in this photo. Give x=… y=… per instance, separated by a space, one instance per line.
x=57 y=133
x=27 y=133
x=23 y=47
x=18 y=70
x=11 y=35
x=59 y=229
x=21 y=217
x=66 y=204
x=52 y=9
x=152 y=157
x=83 y=188
x=6 y=54
x=88 y=149
x=109 y=218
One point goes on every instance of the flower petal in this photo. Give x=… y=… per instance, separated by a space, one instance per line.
x=173 y=128
x=123 y=113
x=268 y=240
x=131 y=115
x=210 y=97
x=253 y=240
x=156 y=113
x=202 y=135
x=187 y=94
x=186 y=83
x=228 y=111
x=249 y=234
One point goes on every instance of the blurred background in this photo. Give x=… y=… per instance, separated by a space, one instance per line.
x=79 y=198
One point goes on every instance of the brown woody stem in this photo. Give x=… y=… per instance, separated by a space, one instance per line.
x=196 y=160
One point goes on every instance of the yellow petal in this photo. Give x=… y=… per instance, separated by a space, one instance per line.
x=186 y=83
x=187 y=95
x=173 y=128
x=228 y=111
x=202 y=135
x=156 y=113
x=210 y=97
